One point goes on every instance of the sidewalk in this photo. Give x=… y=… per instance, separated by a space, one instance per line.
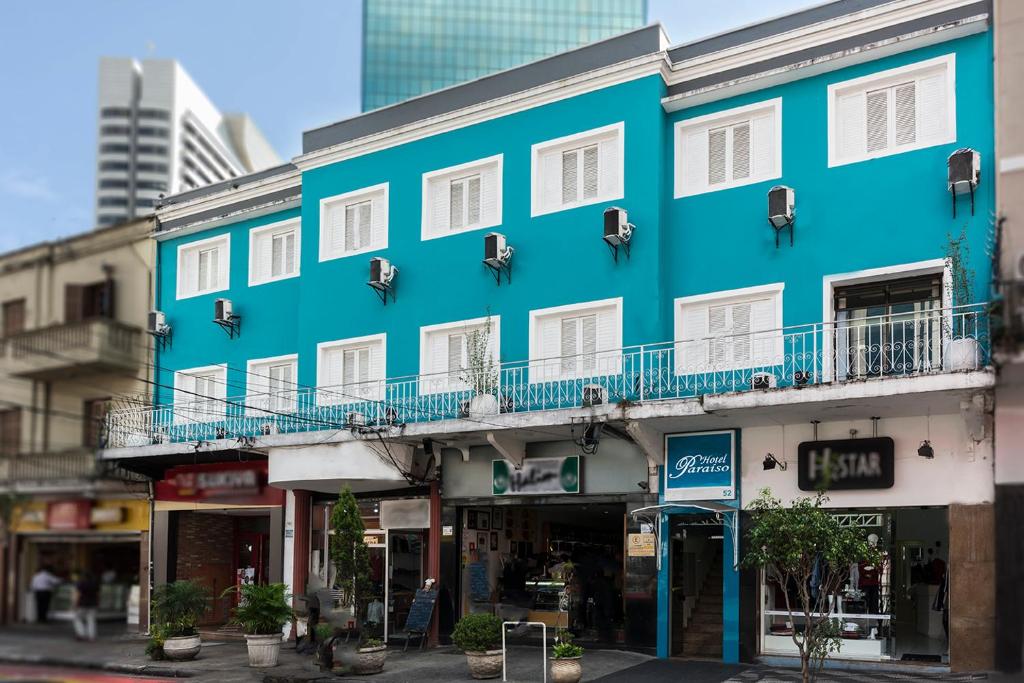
x=227 y=662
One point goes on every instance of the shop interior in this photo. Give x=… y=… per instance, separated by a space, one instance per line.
x=559 y=564
x=696 y=572
x=896 y=611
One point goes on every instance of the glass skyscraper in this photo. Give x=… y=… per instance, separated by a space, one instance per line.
x=411 y=47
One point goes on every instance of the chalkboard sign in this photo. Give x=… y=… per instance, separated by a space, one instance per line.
x=479 y=585
x=422 y=608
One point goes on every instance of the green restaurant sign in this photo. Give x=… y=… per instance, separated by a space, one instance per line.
x=538 y=476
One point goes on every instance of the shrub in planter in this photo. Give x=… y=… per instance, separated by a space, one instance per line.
x=177 y=608
x=566 y=662
x=370 y=656
x=262 y=612
x=479 y=636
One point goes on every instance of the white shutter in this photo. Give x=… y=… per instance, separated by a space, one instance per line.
x=739 y=339
x=765 y=332
x=570 y=167
x=877 y=120
x=905 y=114
x=762 y=147
x=456 y=209
x=188 y=278
x=849 y=126
x=549 y=349
x=610 y=181
x=591 y=170
x=569 y=343
x=588 y=343
x=333 y=231
x=693 y=347
x=741 y=151
x=932 y=108
x=221 y=262
x=348 y=366
x=332 y=373
x=263 y=258
x=376 y=371
x=607 y=342
x=456 y=353
x=473 y=201
x=716 y=156
x=695 y=161
x=718 y=328
x=489 y=190
x=549 y=183
x=439 y=200
x=379 y=222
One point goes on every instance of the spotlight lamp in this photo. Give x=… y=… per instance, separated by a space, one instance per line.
x=771 y=462
x=925 y=450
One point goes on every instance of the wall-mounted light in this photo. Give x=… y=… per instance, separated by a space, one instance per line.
x=925 y=450
x=771 y=462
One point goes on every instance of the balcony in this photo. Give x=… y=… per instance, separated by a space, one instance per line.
x=91 y=346
x=820 y=355
x=68 y=468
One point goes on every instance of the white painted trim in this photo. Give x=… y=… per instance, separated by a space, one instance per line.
x=363 y=194
x=740 y=293
x=278 y=227
x=291 y=178
x=498 y=161
x=278 y=206
x=680 y=128
x=427 y=330
x=1011 y=164
x=251 y=371
x=560 y=311
x=885 y=78
x=615 y=130
x=183 y=249
x=829 y=283
x=365 y=340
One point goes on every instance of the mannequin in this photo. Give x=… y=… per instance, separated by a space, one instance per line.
x=869 y=579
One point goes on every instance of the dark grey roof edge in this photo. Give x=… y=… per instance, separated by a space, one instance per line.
x=205 y=190
x=279 y=198
x=770 y=27
x=625 y=46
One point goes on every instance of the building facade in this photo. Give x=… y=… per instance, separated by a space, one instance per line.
x=601 y=293
x=159 y=134
x=73 y=347
x=412 y=48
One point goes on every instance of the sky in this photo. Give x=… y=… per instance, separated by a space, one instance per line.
x=290 y=65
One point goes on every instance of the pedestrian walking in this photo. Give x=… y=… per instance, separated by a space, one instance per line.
x=42 y=584
x=87 y=598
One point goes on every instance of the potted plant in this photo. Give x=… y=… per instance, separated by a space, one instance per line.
x=566 y=660
x=262 y=612
x=481 y=372
x=959 y=350
x=478 y=635
x=177 y=608
x=351 y=560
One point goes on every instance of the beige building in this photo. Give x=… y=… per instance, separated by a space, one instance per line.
x=1009 y=477
x=73 y=343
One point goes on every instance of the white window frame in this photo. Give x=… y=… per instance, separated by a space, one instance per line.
x=542 y=369
x=252 y=395
x=280 y=227
x=350 y=344
x=359 y=196
x=883 y=79
x=202 y=415
x=222 y=242
x=719 y=119
x=428 y=231
x=570 y=142
x=436 y=385
x=729 y=296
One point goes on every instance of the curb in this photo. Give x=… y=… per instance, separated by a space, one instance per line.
x=112 y=667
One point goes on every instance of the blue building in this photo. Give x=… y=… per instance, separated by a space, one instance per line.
x=612 y=296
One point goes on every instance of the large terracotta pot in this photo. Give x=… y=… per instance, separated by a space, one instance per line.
x=264 y=650
x=182 y=648
x=484 y=664
x=567 y=670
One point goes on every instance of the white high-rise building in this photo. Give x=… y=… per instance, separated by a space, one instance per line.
x=159 y=134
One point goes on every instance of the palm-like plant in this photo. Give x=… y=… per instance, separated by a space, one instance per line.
x=262 y=609
x=178 y=607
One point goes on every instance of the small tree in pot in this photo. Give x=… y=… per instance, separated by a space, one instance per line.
x=566 y=660
x=479 y=636
x=961 y=347
x=262 y=612
x=177 y=608
x=481 y=371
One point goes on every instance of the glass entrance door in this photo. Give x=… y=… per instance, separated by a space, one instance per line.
x=405 y=575
x=374 y=619
x=252 y=555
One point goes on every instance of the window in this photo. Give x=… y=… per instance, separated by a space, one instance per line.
x=576 y=341
x=10 y=432
x=85 y=302
x=893 y=111
x=351 y=370
x=271 y=385
x=94 y=415
x=729 y=148
x=274 y=252
x=14 y=317
x=461 y=198
x=577 y=170
x=730 y=330
x=199 y=394
x=204 y=266
x=354 y=222
x=453 y=356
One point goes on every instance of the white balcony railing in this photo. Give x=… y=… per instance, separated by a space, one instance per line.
x=867 y=348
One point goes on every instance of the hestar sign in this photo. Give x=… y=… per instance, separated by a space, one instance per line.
x=700 y=466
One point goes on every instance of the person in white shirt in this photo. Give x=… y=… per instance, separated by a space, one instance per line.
x=42 y=584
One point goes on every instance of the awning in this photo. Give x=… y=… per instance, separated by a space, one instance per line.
x=726 y=513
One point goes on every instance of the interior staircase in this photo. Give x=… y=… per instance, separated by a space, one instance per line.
x=702 y=637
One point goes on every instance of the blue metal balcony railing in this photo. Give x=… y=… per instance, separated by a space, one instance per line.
x=868 y=348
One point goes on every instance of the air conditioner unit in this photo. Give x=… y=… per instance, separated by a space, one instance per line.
x=355 y=419
x=964 y=168
x=222 y=311
x=268 y=428
x=617 y=228
x=781 y=206
x=157 y=323
x=382 y=273
x=762 y=380
x=496 y=253
x=593 y=395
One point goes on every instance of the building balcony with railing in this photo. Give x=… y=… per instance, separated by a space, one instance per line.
x=88 y=346
x=819 y=362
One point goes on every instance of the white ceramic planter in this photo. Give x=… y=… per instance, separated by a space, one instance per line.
x=484 y=664
x=567 y=670
x=264 y=650
x=182 y=648
x=483 y=405
x=961 y=354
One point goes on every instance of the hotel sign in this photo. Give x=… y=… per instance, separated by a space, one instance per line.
x=538 y=476
x=846 y=464
x=700 y=466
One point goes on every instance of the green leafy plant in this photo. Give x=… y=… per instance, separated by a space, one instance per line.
x=791 y=544
x=177 y=608
x=323 y=632
x=348 y=552
x=481 y=372
x=477 y=632
x=262 y=610
x=367 y=643
x=155 y=644
x=566 y=650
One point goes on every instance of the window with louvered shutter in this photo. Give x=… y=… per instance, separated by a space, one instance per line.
x=10 y=432
x=461 y=198
x=583 y=343
x=577 y=170
x=354 y=223
x=200 y=395
x=727 y=334
x=350 y=370
x=464 y=202
x=274 y=252
x=456 y=355
x=203 y=266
